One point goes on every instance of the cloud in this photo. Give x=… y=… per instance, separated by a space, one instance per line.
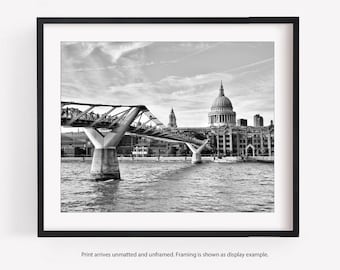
x=116 y=51
x=195 y=49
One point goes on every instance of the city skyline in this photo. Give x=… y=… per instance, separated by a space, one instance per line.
x=185 y=76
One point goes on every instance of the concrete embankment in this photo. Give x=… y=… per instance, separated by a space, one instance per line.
x=151 y=159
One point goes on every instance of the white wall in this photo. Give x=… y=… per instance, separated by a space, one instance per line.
x=319 y=169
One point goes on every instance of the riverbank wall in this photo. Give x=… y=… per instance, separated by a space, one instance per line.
x=144 y=159
x=180 y=159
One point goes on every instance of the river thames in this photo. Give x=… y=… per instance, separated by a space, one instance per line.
x=175 y=186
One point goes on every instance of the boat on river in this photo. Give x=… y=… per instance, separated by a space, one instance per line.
x=228 y=159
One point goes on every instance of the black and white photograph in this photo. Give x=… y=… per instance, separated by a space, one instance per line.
x=157 y=135
x=167 y=126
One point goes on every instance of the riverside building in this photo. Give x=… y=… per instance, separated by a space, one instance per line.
x=229 y=139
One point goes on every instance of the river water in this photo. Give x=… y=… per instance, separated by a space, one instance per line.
x=170 y=187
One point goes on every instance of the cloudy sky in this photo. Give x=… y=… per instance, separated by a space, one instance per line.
x=162 y=75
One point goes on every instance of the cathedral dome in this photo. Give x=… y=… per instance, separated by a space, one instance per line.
x=222 y=103
x=221 y=112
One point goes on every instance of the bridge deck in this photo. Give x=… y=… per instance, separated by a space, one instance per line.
x=145 y=124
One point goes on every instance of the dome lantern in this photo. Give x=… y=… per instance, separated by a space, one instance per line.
x=221 y=90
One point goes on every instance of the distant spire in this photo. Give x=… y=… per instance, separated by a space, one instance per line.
x=172 y=119
x=221 y=90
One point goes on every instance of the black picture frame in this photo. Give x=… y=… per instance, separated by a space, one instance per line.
x=294 y=21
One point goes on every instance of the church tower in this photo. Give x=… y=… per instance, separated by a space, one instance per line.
x=172 y=119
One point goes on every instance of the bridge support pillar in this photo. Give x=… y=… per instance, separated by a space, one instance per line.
x=196 y=152
x=105 y=164
x=196 y=158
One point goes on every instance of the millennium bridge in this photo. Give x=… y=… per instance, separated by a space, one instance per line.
x=107 y=128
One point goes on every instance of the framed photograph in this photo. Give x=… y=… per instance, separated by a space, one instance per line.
x=168 y=126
